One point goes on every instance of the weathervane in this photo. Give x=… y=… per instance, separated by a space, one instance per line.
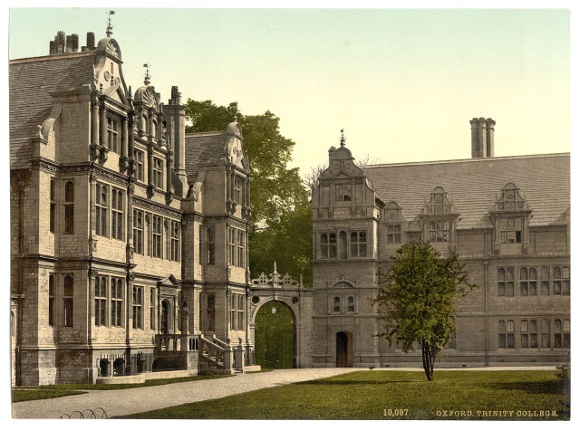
x=109 y=26
x=342 y=138
x=147 y=76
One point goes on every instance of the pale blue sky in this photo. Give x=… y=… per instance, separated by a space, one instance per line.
x=402 y=83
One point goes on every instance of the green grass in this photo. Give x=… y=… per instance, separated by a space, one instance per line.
x=54 y=391
x=19 y=395
x=374 y=394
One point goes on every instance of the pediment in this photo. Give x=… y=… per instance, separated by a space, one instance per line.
x=169 y=281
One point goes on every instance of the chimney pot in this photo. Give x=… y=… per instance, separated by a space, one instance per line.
x=90 y=40
x=482 y=137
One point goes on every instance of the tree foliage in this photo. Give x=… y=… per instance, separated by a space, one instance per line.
x=417 y=300
x=280 y=223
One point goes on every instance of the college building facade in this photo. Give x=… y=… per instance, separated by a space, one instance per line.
x=128 y=236
x=508 y=220
x=129 y=240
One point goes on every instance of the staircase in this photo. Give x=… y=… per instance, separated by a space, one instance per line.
x=215 y=356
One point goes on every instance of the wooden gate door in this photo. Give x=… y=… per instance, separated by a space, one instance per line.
x=274 y=336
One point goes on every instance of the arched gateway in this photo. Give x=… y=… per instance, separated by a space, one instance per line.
x=275 y=320
x=275 y=336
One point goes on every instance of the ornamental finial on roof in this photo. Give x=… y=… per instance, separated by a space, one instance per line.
x=342 y=138
x=147 y=76
x=109 y=26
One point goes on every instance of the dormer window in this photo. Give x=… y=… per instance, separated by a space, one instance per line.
x=439 y=218
x=393 y=234
x=438 y=231
x=511 y=230
x=510 y=219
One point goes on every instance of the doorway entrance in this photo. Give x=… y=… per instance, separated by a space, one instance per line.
x=275 y=336
x=344 y=349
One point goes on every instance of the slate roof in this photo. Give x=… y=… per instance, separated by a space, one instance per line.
x=474 y=185
x=31 y=82
x=204 y=148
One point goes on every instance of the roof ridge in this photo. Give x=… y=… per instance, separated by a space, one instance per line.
x=486 y=159
x=212 y=133
x=51 y=57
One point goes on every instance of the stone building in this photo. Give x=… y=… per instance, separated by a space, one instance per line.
x=128 y=237
x=129 y=240
x=508 y=218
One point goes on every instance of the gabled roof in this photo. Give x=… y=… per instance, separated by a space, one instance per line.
x=474 y=185
x=31 y=83
x=204 y=148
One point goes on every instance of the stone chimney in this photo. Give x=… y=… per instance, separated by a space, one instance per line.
x=175 y=115
x=63 y=43
x=482 y=131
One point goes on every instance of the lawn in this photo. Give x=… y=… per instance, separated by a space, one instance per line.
x=392 y=395
x=54 y=391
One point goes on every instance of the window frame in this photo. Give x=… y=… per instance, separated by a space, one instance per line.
x=113 y=134
x=359 y=247
x=175 y=241
x=393 y=233
x=51 y=298
x=69 y=207
x=102 y=209
x=117 y=302
x=328 y=245
x=439 y=230
x=505 y=285
x=117 y=213
x=138 y=231
x=68 y=301
x=210 y=245
x=139 y=169
x=137 y=306
x=156 y=249
x=52 y=216
x=157 y=170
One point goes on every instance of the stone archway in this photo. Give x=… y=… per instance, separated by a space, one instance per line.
x=275 y=336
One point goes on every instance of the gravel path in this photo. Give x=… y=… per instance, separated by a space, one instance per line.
x=128 y=401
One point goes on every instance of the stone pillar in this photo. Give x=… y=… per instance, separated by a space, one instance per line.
x=130 y=246
x=168 y=173
x=123 y=162
x=239 y=356
x=151 y=185
x=103 y=126
x=95 y=132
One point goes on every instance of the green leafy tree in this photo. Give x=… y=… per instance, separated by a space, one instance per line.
x=280 y=224
x=417 y=300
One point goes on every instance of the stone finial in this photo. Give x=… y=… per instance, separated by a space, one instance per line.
x=342 y=138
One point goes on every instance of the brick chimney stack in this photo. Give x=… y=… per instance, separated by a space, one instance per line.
x=482 y=131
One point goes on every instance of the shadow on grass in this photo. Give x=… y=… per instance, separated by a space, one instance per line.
x=554 y=387
x=352 y=382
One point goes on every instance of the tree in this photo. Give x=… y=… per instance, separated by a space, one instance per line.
x=280 y=220
x=417 y=300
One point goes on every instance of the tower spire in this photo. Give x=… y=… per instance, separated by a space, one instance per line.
x=109 y=25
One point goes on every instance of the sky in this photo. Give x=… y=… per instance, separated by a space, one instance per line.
x=402 y=83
